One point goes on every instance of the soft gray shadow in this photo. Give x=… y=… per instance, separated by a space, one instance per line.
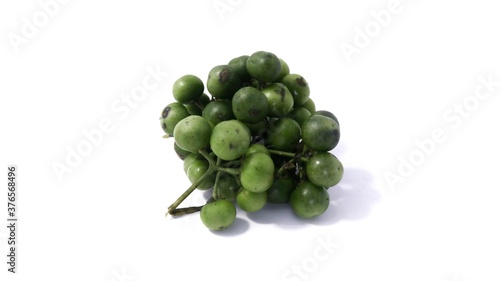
x=352 y=199
x=207 y=194
x=238 y=227
x=279 y=214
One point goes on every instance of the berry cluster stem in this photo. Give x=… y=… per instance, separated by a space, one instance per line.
x=212 y=167
x=288 y=154
x=231 y=171
x=184 y=211
x=215 y=166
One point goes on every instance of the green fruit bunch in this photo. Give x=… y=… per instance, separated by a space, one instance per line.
x=256 y=139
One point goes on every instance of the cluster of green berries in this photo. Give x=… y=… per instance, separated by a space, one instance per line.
x=256 y=139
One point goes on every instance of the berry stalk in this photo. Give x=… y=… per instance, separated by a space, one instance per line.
x=212 y=167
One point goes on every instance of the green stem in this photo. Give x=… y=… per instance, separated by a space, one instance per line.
x=230 y=164
x=211 y=161
x=231 y=171
x=198 y=104
x=212 y=167
x=184 y=211
x=238 y=181
x=287 y=154
x=188 y=191
x=215 y=192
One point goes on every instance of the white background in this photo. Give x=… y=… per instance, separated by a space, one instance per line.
x=104 y=220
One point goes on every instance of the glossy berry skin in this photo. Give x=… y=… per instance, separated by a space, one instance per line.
x=190 y=159
x=309 y=105
x=251 y=201
x=240 y=67
x=257 y=172
x=196 y=170
x=327 y=114
x=218 y=215
x=285 y=70
x=181 y=153
x=218 y=111
x=264 y=66
x=283 y=134
x=309 y=200
x=223 y=82
x=187 y=88
x=280 y=190
x=320 y=133
x=193 y=108
x=298 y=87
x=324 y=169
x=171 y=115
x=279 y=99
x=257 y=147
x=230 y=139
x=249 y=105
x=299 y=114
x=192 y=133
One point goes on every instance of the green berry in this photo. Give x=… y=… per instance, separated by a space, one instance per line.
x=230 y=139
x=309 y=200
x=264 y=66
x=192 y=133
x=171 y=115
x=187 y=88
x=218 y=215
x=223 y=82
